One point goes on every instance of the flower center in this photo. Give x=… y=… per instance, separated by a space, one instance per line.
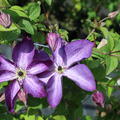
x=60 y=69
x=21 y=74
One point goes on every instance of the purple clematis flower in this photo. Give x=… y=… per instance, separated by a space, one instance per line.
x=65 y=59
x=22 y=72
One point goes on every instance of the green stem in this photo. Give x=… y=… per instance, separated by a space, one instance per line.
x=106 y=84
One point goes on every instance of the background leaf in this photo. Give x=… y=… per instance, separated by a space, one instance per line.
x=111 y=64
x=27 y=26
x=34 y=11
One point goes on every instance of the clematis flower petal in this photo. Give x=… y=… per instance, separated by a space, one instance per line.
x=7 y=76
x=6 y=64
x=34 y=87
x=59 y=55
x=54 y=90
x=78 y=50
x=37 y=67
x=45 y=76
x=82 y=76
x=11 y=94
x=41 y=56
x=23 y=53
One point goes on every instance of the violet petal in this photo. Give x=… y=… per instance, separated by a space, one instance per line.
x=78 y=50
x=82 y=76
x=41 y=56
x=6 y=64
x=45 y=76
x=37 y=67
x=23 y=53
x=59 y=55
x=7 y=76
x=54 y=90
x=34 y=87
x=10 y=95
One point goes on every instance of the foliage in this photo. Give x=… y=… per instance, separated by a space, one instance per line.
x=72 y=19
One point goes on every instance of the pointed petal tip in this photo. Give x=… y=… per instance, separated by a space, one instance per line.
x=23 y=53
x=93 y=88
x=54 y=90
x=78 y=50
x=12 y=111
x=82 y=76
x=53 y=105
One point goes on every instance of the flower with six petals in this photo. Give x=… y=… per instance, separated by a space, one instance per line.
x=65 y=59
x=22 y=72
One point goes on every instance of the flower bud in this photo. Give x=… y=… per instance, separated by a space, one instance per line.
x=113 y=14
x=52 y=40
x=5 y=20
x=98 y=98
x=22 y=97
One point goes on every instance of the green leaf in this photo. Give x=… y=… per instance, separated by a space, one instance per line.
x=19 y=12
x=117 y=41
x=110 y=89
x=59 y=117
x=88 y=117
x=49 y=2
x=4 y=3
x=39 y=38
x=39 y=118
x=26 y=117
x=27 y=26
x=12 y=27
x=63 y=33
x=109 y=37
x=17 y=8
x=34 y=11
x=111 y=64
x=3 y=84
x=97 y=53
x=9 y=36
x=77 y=113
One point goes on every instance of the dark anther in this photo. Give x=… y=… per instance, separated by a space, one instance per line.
x=59 y=68
x=20 y=73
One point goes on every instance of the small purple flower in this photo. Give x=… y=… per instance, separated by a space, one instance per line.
x=65 y=58
x=5 y=20
x=98 y=98
x=22 y=72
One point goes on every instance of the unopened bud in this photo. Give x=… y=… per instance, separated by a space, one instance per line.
x=52 y=40
x=98 y=98
x=5 y=20
x=113 y=14
x=22 y=97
